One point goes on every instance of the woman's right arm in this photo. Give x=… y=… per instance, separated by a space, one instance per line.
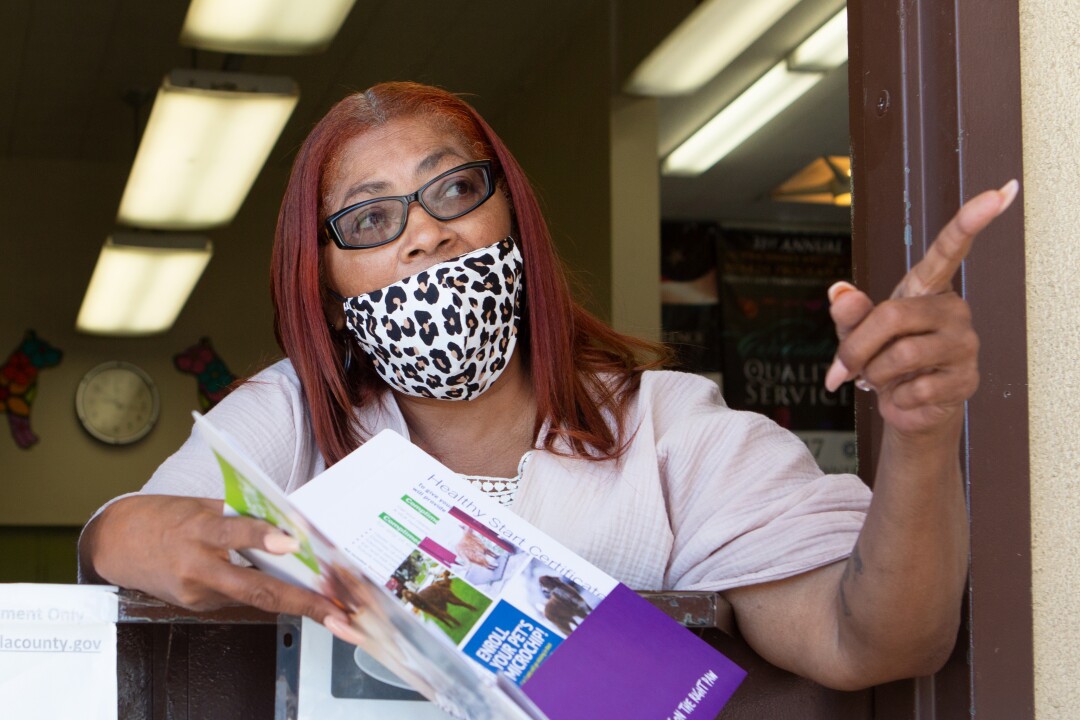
x=177 y=549
x=173 y=541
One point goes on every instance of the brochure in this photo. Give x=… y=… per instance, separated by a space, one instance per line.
x=469 y=604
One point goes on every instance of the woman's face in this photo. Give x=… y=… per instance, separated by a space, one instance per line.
x=396 y=159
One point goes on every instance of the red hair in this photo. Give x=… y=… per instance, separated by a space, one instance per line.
x=583 y=372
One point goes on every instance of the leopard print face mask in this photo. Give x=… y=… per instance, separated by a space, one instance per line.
x=447 y=332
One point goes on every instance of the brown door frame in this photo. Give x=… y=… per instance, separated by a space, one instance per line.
x=936 y=118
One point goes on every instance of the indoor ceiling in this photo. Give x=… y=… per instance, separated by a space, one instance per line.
x=76 y=79
x=737 y=189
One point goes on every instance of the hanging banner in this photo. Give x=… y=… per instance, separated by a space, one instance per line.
x=778 y=338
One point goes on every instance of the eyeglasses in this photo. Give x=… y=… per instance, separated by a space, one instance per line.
x=377 y=222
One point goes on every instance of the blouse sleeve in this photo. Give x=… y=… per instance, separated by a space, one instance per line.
x=266 y=419
x=747 y=502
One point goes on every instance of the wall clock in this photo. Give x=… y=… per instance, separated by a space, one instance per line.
x=117 y=403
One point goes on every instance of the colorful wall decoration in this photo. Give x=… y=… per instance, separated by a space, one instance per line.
x=18 y=384
x=213 y=376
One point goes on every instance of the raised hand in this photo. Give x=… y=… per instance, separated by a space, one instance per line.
x=917 y=349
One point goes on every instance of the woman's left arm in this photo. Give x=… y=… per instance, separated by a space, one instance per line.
x=892 y=609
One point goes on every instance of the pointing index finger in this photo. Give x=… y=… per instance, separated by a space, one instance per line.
x=934 y=273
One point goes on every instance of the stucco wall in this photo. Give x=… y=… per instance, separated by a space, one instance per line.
x=1051 y=86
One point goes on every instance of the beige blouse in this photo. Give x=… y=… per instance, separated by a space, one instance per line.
x=705 y=498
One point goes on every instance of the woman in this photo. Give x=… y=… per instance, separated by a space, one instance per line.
x=407 y=227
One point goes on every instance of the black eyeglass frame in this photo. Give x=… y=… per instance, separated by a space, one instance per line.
x=334 y=234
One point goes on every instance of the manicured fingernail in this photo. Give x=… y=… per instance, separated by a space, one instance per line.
x=281 y=544
x=863 y=384
x=839 y=288
x=342 y=630
x=335 y=626
x=1008 y=193
x=837 y=375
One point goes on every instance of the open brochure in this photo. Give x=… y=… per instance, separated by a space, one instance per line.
x=471 y=605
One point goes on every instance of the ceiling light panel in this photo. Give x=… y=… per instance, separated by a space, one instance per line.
x=826 y=49
x=207 y=138
x=706 y=42
x=141 y=282
x=264 y=27
x=743 y=117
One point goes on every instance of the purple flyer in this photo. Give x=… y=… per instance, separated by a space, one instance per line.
x=604 y=669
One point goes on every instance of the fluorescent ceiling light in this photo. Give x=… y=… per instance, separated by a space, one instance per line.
x=786 y=82
x=743 y=117
x=264 y=27
x=141 y=282
x=826 y=49
x=713 y=35
x=207 y=138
